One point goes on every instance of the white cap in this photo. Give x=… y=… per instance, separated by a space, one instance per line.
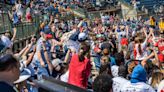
x=26 y=73
x=82 y=36
x=56 y=62
x=6 y=41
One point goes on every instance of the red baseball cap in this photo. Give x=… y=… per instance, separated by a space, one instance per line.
x=49 y=36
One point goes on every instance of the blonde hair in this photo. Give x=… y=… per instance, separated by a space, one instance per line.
x=157 y=76
x=131 y=67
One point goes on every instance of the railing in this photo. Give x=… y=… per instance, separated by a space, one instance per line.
x=126 y=3
x=49 y=84
x=5 y=23
x=110 y=9
x=78 y=11
x=24 y=29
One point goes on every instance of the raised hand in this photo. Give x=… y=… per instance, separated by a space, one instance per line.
x=42 y=64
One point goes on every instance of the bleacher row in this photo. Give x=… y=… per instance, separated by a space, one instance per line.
x=147 y=3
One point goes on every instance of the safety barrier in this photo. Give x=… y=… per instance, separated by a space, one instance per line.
x=49 y=84
x=25 y=30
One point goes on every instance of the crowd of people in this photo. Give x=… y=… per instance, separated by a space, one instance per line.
x=107 y=54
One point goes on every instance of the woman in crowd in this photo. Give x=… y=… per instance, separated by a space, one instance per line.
x=156 y=78
x=80 y=67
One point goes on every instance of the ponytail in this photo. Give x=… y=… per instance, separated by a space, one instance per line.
x=140 y=49
x=81 y=56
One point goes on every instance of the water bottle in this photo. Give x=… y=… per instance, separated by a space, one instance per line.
x=39 y=75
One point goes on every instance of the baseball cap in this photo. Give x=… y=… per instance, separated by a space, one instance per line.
x=56 y=62
x=25 y=74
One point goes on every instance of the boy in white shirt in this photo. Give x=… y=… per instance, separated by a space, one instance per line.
x=119 y=81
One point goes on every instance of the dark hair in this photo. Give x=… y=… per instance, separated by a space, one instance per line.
x=64 y=68
x=105 y=69
x=122 y=71
x=132 y=39
x=119 y=58
x=85 y=51
x=8 y=62
x=140 y=49
x=102 y=83
x=153 y=19
x=139 y=41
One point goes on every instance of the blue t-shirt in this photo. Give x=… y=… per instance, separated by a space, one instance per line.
x=112 y=61
x=84 y=24
x=2 y=46
x=15 y=18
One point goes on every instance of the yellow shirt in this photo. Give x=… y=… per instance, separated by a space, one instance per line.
x=161 y=25
x=152 y=22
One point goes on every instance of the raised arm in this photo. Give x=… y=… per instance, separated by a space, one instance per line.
x=40 y=58
x=50 y=66
x=156 y=57
x=30 y=57
x=147 y=35
x=143 y=62
x=27 y=50
x=67 y=56
x=22 y=51
x=33 y=40
x=14 y=34
x=152 y=33
x=38 y=52
x=51 y=20
x=10 y=15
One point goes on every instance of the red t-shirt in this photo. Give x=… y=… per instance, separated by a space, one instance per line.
x=160 y=45
x=161 y=57
x=79 y=72
x=124 y=41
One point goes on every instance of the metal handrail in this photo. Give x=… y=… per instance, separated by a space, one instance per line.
x=53 y=85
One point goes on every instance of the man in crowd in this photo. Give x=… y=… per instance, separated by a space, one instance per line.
x=9 y=72
x=103 y=83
